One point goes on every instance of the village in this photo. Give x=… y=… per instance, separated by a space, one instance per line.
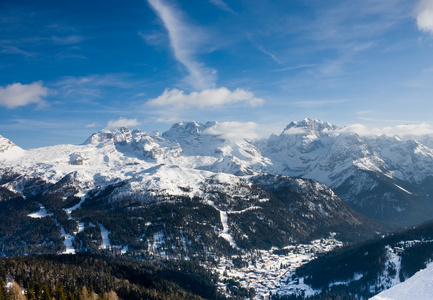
x=270 y=272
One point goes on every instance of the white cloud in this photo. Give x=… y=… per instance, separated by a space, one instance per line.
x=400 y=130
x=271 y=55
x=295 y=130
x=234 y=130
x=360 y=129
x=17 y=94
x=206 y=98
x=221 y=4
x=424 y=19
x=295 y=67
x=92 y=86
x=91 y=125
x=185 y=40
x=122 y=122
x=67 y=40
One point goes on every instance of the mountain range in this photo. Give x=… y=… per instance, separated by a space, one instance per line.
x=195 y=192
x=196 y=186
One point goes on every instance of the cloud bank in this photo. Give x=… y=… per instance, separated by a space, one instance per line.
x=205 y=98
x=122 y=122
x=17 y=94
x=399 y=130
x=234 y=131
x=185 y=40
x=424 y=19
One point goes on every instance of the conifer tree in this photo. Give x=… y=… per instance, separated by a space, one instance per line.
x=3 y=295
x=111 y=295
x=30 y=293
x=60 y=293
x=15 y=292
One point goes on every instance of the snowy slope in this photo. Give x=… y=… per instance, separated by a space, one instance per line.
x=419 y=286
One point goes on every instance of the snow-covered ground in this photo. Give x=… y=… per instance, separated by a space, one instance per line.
x=387 y=279
x=41 y=213
x=68 y=242
x=105 y=239
x=417 y=287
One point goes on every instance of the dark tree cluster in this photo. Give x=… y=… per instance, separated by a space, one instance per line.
x=94 y=277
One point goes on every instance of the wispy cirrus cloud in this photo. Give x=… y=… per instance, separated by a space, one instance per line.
x=91 y=125
x=424 y=18
x=206 y=98
x=222 y=5
x=91 y=86
x=17 y=94
x=318 y=103
x=271 y=55
x=10 y=47
x=67 y=40
x=185 y=40
x=304 y=66
x=398 y=130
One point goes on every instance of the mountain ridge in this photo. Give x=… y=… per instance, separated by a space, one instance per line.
x=385 y=177
x=167 y=192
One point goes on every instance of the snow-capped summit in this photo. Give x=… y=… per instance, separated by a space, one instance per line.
x=184 y=130
x=8 y=149
x=309 y=127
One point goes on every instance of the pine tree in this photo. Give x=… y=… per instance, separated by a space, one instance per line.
x=70 y=296
x=111 y=295
x=60 y=293
x=85 y=294
x=15 y=292
x=30 y=293
x=3 y=295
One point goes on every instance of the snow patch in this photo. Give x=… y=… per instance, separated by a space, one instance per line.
x=42 y=213
x=225 y=234
x=67 y=242
x=404 y=190
x=105 y=239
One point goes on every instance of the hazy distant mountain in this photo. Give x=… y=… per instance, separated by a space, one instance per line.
x=386 y=178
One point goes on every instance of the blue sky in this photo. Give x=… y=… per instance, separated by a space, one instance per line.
x=71 y=68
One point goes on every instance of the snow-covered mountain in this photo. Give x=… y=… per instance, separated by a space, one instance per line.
x=186 y=192
x=242 y=185
x=385 y=177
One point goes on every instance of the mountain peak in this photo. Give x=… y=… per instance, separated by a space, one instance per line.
x=9 y=149
x=186 y=129
x=308 y=126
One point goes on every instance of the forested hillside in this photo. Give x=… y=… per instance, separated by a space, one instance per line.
x=89 y=277
x=363 y=270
